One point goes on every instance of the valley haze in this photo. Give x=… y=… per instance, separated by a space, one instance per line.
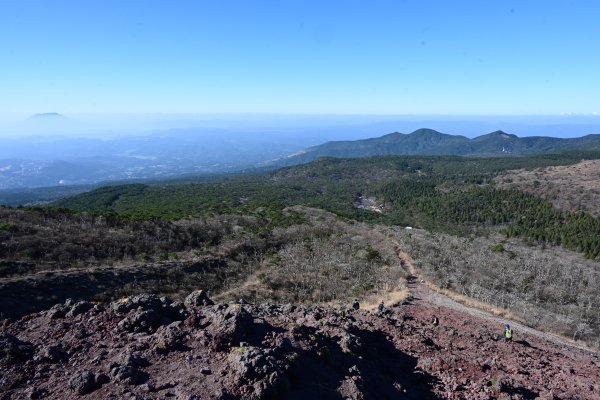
x=51 y=149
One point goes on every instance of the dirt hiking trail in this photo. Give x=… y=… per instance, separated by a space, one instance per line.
x=422 y=290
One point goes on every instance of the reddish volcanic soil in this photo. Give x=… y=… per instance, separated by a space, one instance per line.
x=145 y=347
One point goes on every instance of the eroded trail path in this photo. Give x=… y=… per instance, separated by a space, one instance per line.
x=422 y=291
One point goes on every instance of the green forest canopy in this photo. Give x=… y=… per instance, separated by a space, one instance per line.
x=445 y=193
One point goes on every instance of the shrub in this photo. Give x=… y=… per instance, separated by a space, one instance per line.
x=498 y=248
x=7 y=227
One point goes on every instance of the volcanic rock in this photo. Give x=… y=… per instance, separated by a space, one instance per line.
x=170 y=337
x=198 y=298
x=251 y=363
x=140 y=321
x=149 y=347
x=53 y=353
x=83 y=382
x=79 y=308
x=57 y=311
x=14 y=350
x=128 y=375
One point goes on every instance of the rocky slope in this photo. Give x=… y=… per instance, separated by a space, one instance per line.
x=146 y=347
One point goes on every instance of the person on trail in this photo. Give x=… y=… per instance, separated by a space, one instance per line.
x=507 y=333
x=435 y=321
x=355 y=305
x=380 y=308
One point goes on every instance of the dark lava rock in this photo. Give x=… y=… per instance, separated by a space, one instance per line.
x=12 y=349
x=229 y=326
x=170 y=337
x=350 y=343
x=198 y=298
x=79 y=308
x=80 y=333
x=35 y=393
x=57 y=311
x=258 y=373
x=133 y=360
x=141 y=321
x=144 y=301
x=102 y=379
x=128 y=375
x=158 y=311
x=252 y=363
x=82 y=383
x=51 y=353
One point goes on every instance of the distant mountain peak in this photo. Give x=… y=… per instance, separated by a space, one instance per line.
x=47 y=115
x=503 y=135
x=430 y=142
x=426 y=131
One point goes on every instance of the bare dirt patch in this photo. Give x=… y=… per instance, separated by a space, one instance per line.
x=369 y=204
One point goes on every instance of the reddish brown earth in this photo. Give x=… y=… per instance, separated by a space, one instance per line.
x=145 y=347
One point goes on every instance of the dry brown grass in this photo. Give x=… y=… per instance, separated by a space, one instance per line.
x=549 y=287
x=470 y=302
x=389 y=299
x=502 y=313
x=571 y=187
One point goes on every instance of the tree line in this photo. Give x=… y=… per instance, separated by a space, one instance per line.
x=445 y=193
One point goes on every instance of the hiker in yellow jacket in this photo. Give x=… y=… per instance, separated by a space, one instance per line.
x=507 y=333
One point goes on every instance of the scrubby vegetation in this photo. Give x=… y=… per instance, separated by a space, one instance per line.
x=570 y=187
x=297 y=255
x=254 y=237
x=326 y=260
x=549 y=288
x=67 y=239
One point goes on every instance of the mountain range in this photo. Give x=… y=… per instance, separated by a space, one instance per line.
x=37 y=162
x=431 y=142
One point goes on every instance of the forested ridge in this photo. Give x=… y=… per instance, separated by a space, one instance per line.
x=430 y=142
x=447 y=193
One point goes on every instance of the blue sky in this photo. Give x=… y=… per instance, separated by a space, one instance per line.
x=307 y=57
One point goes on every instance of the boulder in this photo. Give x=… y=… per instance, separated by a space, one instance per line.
x=128 y=375
x=79 y=308
x=169 y=311
x=57 y=311
x=198 y=298
x=133 y=360
x=83 y=382
x=53 y=353
x=143 y=301
x=141 y=321
x=252 y=363
x=170 y=337
x=230 y=326
x=13 y=350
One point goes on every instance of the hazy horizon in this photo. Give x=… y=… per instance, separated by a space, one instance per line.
x=109 y=125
